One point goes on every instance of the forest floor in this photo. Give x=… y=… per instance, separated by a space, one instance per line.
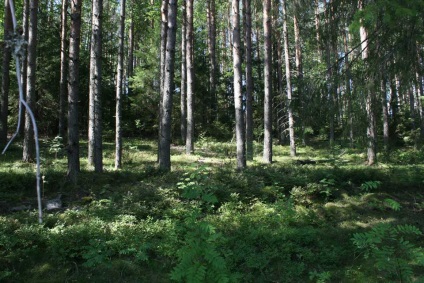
x=323 y=216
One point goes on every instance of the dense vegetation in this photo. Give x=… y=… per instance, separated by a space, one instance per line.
x=324 y=217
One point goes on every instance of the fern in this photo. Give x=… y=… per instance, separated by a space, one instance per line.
x=370 y=186
x=393 y=204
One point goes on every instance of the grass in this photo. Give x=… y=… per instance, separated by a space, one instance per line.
x=283 y=222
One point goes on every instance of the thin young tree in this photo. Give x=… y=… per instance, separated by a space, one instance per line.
x=119 y=85
x=183 y=99
x=95 y=148
x=249 y=79
x=24 y=68
x=288 y=80
x=5 y=83
x=63 y=68
x=168 y=85
x=211 y=23
x=267 y=154
x=29 y=144
x=238 y=96
x=73 y=92
x=190 y=78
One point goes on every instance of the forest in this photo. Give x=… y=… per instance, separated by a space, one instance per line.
x=212 y=141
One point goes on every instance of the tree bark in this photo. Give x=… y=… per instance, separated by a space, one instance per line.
x=267 y=154
x=5 y=83
x=190 y=79
x=238 y=96
x=95 y=149
x=212 y=58
x=168 y=85
x=163 y=40
x=29 y=143
x=63 y=69
x=348 y=88
x=24 y=72
x=73 y=92
x=299 y=69
x=288 y=79
x=249 y=80
x=183 y=100
x=119 y=84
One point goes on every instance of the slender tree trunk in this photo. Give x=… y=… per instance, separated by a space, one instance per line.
x=5 y=83
x=249 y=80
x=63 y=69
x=267 y=154
x=163 y=40
x=183 y=101
x=212 y=58
x=238 y=96
x=73 y=91
x=299 y=68
x=130 y=68
x=119 y=84
x=348 y=88
x=383 y=83
x=29 y=143
x=24 y=72
x=317 y=27
x=280 y=106
x=288 y=79
x=190 y=79
x=95 y=147
x=420 y=89
x=165 y=127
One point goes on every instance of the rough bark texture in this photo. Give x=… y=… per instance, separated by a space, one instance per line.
x=238 y=96
x=5 y=83
x=73 y=92
x=348 y=88
x=95 y=157
x=63 y=69
x=183 y=100
x=249 y=80
x=168 y=85
x=299 y=69
x=267 y=157
x=212 y=58
x=29 y=143
x=119 y=84
x=288 y=80
x=190 y=79
x=163 y=40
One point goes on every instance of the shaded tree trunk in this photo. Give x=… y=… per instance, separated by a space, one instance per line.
x=63 y=69
x=190 y=79
x=348 y=88
x=183 y=101
x=5 y=83
x=267 y=154
x=299 y=68
x=168 y=85
x=95 y=148
x=288 y=79
x=73 y=91
x=24 y=72
x=119 y=85
x=212 y=58
x=249 y=80
x=29 y=143
x=238 y=96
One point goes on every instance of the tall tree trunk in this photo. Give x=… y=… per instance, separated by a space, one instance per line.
x=249 y=80
x=212 y=58
x=163 y=40
x=168 y=85
x=238 y=96
x=5 y=83
x=267 y=154
x=348 y=88
x=317 y=27
x=63 y=69
x=73 y=91
x=24 y=72
x=299 y=68
x=29 y=143
x=190 y=79
x=383 y=83
x=119 y=84
x=288 y=79
x=130 y=67
x=95 y=147
x=370 y=101
x=420 y=90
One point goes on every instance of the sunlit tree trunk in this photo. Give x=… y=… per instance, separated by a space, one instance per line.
x=249 y=79
x=238 y=96
x=5 y=83
x=190 y=79
x=165 y=126
x=95 y=148
x=212 y=58
x=73 y=91
x=348 y=88
x=299 y=69
x=267 y=154
x=183 y=101
x=163 y=40
x=63 y=68
x=119 y=85
x=288 y=79
x=24 y=68
x=383 y=91
x=29 y=144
